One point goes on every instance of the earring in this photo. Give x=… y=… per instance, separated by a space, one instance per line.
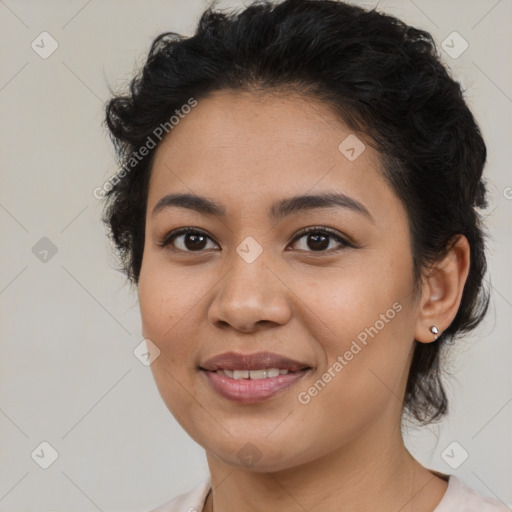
x=435 y=331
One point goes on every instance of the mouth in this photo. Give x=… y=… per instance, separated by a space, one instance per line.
x=252 y=378
x=266 y=373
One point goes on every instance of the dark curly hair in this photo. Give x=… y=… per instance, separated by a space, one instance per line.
x=381 y=76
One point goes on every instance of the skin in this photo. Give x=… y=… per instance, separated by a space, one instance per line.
x=247 y=151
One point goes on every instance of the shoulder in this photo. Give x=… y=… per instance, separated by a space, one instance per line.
x=191 y=501
x=460 y=498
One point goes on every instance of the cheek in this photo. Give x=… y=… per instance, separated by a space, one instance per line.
x=363 y=377
x=166 y=294
x=167 y=300
x=364 y=325
x=356 y=299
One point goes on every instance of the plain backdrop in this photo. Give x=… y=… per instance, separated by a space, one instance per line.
x=69 y=323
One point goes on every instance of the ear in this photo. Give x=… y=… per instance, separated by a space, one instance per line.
x=442 y=291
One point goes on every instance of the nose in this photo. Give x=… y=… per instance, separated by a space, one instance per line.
x=250 y=297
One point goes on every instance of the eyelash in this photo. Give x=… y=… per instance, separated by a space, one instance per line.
x=170 y=237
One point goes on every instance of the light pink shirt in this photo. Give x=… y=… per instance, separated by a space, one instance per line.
x=458 y=498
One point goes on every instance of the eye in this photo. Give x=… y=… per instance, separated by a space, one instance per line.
x=318 y=239
x=195 y=240
x=190 y=240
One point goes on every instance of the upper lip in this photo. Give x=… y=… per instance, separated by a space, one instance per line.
x=257 y=361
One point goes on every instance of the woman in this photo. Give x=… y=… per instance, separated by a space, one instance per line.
x=297 y=207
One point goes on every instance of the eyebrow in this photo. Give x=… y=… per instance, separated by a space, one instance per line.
x=277 y=211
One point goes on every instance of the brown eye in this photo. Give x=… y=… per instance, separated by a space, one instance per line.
x=186 y=240
x=319 y=240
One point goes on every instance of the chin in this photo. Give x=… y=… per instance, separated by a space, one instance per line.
x=258 y=459
x=258 y=455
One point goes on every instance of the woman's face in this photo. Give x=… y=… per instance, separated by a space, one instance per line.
x=341 y=314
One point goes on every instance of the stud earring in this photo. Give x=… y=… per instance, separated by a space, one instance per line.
x=435 y=331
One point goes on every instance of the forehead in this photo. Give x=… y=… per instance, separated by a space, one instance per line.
x=241 y=123
x=248 y=148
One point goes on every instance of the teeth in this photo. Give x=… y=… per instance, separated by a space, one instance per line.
x=252 y=374
x=258 y=374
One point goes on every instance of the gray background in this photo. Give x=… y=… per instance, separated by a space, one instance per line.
x=69 y=323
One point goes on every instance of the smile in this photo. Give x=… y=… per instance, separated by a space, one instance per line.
x=252 y=386
x=266 y=373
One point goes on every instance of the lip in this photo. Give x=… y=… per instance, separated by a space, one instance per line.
x=249 y=391
x=256 y=361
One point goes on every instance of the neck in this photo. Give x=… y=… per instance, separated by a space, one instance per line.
x=374 y=472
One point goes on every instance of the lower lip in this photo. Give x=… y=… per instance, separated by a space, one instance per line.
x=249 y=391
